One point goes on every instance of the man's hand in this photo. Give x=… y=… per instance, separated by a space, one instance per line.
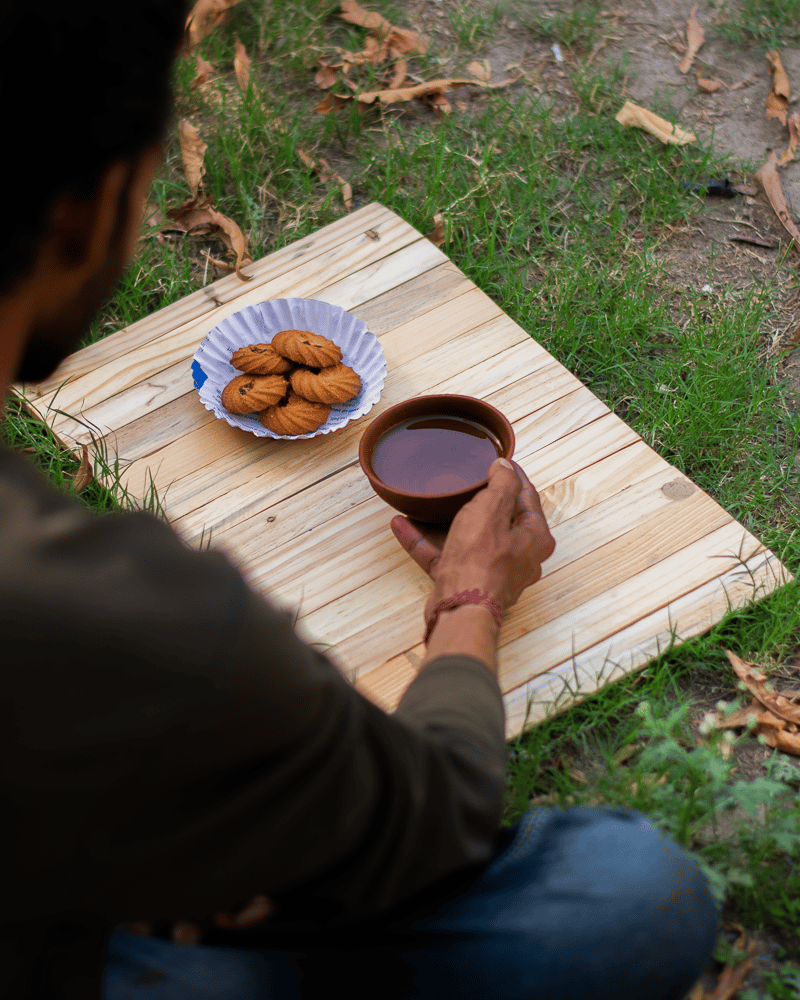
x=497 y=542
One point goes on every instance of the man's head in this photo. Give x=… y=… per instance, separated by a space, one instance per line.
x=85 y=91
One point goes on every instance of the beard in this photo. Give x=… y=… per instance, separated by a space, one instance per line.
x=51 y=341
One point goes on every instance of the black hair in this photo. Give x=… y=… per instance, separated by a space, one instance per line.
x=81 y=85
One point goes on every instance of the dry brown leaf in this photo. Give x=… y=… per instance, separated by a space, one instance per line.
x=438 y=234
x=480 y=69
x=399 y=75
x=695 y=36
x=755 y=681
x=748 y=189
x=732 y=977
x=241 y=65
x=85 y=473
x=418 y=90
x=709 y=86
x=329 y=102
x=326 y=75
x=203 y=69
x=151 y=216
x=779 y=739
x=439 y=103
x=778 y=97
x=742 y=716
x=401 y=41
x=767 y=177
x=794 y=134
x=198 y=217
x=235 y=240
x=639 y=117
x=221 y=265
x=745 y=83
x=204 y=17
x=326 y=174
x=193 y=150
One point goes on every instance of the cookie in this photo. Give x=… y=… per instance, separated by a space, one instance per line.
x=335 y=384
x=260 y=359
x=294 y=415
x=307 y=348
x=250 y=393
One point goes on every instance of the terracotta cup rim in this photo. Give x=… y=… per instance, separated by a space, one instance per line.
x=386 y=420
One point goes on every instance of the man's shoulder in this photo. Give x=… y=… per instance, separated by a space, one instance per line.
x=123 y=579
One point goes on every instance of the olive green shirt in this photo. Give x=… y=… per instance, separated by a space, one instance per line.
x=171 y=749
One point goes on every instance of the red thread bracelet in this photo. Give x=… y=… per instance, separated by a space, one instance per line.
x=475 y=596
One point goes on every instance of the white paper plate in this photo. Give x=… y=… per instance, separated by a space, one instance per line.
x=258 y=324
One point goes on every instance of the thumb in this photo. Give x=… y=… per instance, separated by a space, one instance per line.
x=504 y=488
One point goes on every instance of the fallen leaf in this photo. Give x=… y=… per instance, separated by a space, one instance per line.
x=439 y=103
x=326 y=75
x=745 y=83
x=639 y=117
x=749 y=189
x=85 y=473
x=709 y=86
x=771 y=700
x=241 y=65
x=767 y=177
x=204 y=17
x=778 y=97
x=779 y=739
x=794 y=134
x=203 y=69
x=480 y=69
x=739 y=238
x=732 y=977
x=193 y=150
x=400 y=41
x=329 y=102
x=198 y=217
x=695 y=36
x=418 y=90
x=151 y=216
x=399 y=75
x=438 y=235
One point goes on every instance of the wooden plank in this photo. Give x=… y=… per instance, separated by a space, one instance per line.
x=342 y=518
x=143 y=433
x=387 y=602
x=587 y=672
x=237 y=460
x=638 y=596
x=629 y=649
x=359 y=625
x=347 y=235
x=159 y=371
x=632 y=559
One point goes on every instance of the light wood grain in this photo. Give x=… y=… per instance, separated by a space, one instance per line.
x=637 y=562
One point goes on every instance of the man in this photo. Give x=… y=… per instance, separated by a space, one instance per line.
x=171 y=748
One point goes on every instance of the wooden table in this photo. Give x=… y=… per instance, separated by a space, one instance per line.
x=643 y=556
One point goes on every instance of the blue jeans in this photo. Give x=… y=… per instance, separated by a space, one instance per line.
x=575 y=904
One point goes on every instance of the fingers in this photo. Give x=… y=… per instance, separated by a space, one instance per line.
x=502 y=491
x=424 y=553
x=529 y=510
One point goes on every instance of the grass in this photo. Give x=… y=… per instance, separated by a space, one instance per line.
x=559 y=216
x=772 y=22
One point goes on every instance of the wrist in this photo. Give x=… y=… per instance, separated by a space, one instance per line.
x=474 y=597
x=468 y=630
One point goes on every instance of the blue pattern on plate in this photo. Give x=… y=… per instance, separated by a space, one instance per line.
x=198 y=375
